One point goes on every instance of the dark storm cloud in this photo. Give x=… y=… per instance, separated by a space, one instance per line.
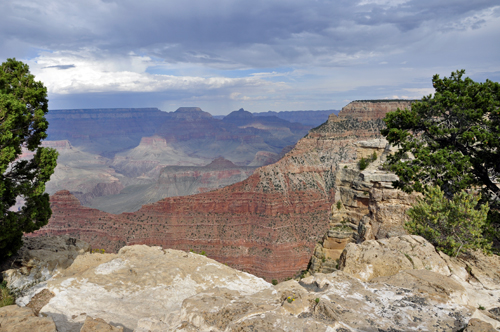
x=233 y=33
x=61 y=67
x=232 y=53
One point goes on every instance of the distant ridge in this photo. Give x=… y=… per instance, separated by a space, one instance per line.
x=311 y=118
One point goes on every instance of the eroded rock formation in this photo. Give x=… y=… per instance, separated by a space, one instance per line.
x=367 y=206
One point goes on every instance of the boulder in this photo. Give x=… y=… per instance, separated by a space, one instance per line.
x=98 y=325
x=21 y=319
x=477 y=325
x=386 y=257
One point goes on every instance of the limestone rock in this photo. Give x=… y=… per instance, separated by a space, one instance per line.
x=98 y=325
x=149 y=289
x=412 y=257
x=138 y=282
x=378 y=258
x=477 y=325
x=334 y=302
x=18 y=319
x=39 y=259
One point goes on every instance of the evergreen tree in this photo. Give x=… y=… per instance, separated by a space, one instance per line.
x=451 y=139
x=23 y=105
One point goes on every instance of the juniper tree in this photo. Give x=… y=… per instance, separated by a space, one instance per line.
x=453 y=138
x=23 y=105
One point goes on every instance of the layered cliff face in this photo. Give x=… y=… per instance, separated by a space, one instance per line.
x=367 y=206
x=267 y=225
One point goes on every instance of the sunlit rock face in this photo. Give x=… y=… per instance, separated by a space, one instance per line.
x=267 y=224
x=151 y=289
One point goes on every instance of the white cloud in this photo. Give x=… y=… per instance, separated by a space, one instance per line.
x=88 y=71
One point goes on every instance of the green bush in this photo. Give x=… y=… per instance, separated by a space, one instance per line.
x=363 y=164
x=6 y=298
x=451 y=225
x=275 y=282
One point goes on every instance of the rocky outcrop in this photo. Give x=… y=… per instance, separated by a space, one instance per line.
x=390 y=259
x=379 y=258
x=153 y=289
x=268 y=224
x=99 y=325
x=18 y=319
x=37 y=261
x=367 y=206
x=139 y=282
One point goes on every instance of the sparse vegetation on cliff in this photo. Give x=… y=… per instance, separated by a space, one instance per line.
x=6 y=298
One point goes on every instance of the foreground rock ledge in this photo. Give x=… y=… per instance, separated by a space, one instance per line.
x=149 y=289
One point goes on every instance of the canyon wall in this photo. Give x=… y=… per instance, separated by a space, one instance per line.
x=267 y=225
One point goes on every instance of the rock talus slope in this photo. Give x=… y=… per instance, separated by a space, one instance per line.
x=267 y=225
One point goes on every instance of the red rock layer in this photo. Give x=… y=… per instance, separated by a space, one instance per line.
x=266 y=225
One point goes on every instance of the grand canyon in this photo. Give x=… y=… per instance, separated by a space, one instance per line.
x=314 y=216
x=267 y=225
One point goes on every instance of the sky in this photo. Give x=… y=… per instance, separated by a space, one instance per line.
x=222 y=55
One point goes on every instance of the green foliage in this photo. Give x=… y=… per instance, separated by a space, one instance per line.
x=23 y=105
x=316 y=300
x=339 y=205
x=6 y=297
x=275 y=282
x=374 y=156
x=452 y=226
x=363 y=163
x=453 y=137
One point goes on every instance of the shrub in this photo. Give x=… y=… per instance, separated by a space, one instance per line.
x=6 y=298
x=374 y=156
x=275 y=282
x=316 y=300
x=339 y=205
x=451 y=225
x=363 y=163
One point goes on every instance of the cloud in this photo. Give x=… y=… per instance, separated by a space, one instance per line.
x=99 y=73
x=273 y=53
x=61 y=67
